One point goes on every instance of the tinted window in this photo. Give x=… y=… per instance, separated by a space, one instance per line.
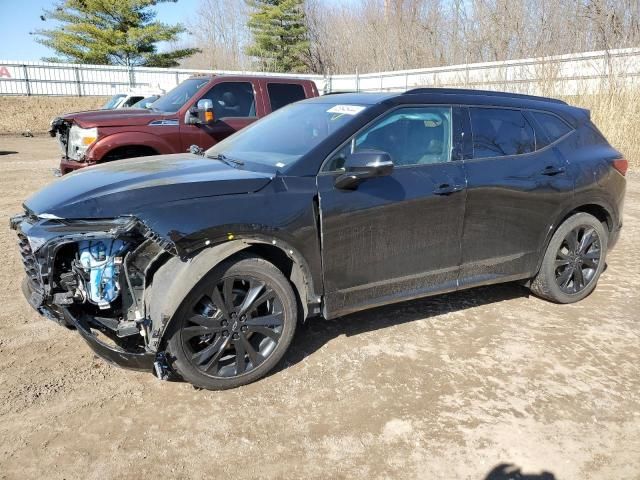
x=281 y=94
x=131 y=100
x=552 y=126
x=499 y=132
x=412 y=136
x=232 y=99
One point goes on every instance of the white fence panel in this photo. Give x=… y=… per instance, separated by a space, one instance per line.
x=42 y=78
x=559 y=75
x=562 y=75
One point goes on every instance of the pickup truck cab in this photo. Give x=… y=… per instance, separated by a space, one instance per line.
x=202 y=111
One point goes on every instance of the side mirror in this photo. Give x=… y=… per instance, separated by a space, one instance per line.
x=205 y=112
x=362 y=165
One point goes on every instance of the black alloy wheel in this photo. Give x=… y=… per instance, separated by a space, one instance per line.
x=235 y=328
x=234 y=325
x=574 y=259
x=577 y=259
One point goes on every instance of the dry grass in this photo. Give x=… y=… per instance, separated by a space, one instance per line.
x=19 y=114
x=616 y=112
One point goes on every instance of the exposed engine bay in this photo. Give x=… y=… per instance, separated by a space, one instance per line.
x=94 y=272
x=98 y=270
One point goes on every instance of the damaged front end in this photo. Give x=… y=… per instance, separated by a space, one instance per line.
x=59 y=127
x=92 y=275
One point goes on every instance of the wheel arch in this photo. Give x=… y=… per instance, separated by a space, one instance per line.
x=129 y=151
x=599 y=209
x=177 y=277
x=122 y=140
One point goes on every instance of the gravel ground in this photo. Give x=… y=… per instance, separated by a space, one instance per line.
x=446 y=387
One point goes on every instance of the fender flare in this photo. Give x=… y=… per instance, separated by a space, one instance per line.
x=173 y=281
x=125 y=139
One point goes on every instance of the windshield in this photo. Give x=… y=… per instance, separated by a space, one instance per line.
x=283 y=137
x=113 y=101
x=176 y=98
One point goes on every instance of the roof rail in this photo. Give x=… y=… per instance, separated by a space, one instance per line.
x=486 y=93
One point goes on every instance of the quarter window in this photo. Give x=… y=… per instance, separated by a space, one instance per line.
x=500 y=132
x=281 y=94
x=412 y=136
x=232 y=99
x=552 y=126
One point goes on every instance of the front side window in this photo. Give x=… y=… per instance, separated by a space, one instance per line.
x=232 y=99
x=281 y=94
x=499 y=132
x=412 y=136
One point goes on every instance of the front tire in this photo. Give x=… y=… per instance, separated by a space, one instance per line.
x=234 y=326
x=574 y=260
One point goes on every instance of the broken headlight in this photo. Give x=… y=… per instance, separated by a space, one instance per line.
x=80 y=139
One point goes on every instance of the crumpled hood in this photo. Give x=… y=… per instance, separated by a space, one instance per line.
x=124 y=187
x=121 y=117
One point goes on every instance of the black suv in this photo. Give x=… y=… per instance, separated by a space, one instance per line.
x=201 y=265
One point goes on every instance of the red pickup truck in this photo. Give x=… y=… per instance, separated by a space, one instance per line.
x=200 y=111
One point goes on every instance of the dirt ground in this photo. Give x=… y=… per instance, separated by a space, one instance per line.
x=445 y=387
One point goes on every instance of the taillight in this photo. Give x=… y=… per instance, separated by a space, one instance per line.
x=621 y=165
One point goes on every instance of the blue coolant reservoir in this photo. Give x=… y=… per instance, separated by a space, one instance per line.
x=98 y=257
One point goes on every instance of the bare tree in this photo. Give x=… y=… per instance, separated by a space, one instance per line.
x=219 y=29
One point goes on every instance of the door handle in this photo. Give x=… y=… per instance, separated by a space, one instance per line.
x=552 y=170
x=447 y=189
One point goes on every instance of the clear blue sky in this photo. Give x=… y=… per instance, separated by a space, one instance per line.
x=19 y=17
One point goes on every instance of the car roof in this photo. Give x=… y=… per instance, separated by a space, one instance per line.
x=460 y=96
x=352 y=97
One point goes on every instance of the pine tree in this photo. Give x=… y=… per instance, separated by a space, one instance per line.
x=111 y=32
x=280 y=37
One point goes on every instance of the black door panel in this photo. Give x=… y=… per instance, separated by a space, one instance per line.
x=397 y=236
x=392 y=238
x=511 y=203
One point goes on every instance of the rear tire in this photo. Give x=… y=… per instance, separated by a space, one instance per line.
x=234 y=326
x=574 y=260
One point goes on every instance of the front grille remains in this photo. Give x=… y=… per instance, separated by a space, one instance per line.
x=29 y=260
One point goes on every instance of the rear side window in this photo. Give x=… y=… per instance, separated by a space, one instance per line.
x=552 y=126
x=499 y=132
x=281 y=94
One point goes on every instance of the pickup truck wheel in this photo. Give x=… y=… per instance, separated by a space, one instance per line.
x=574 y=260
x=234 y=326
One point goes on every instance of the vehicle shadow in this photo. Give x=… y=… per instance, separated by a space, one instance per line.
x=7 y=152
x=506 y=471
x=317 y=332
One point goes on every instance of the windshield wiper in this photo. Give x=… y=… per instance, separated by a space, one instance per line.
x=223 y=158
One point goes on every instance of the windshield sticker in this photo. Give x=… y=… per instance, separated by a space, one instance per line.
x=346 y=109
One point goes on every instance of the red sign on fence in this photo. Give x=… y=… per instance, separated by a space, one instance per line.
x=4 y=72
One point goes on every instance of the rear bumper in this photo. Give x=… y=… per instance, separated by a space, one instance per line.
x=110 y=353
